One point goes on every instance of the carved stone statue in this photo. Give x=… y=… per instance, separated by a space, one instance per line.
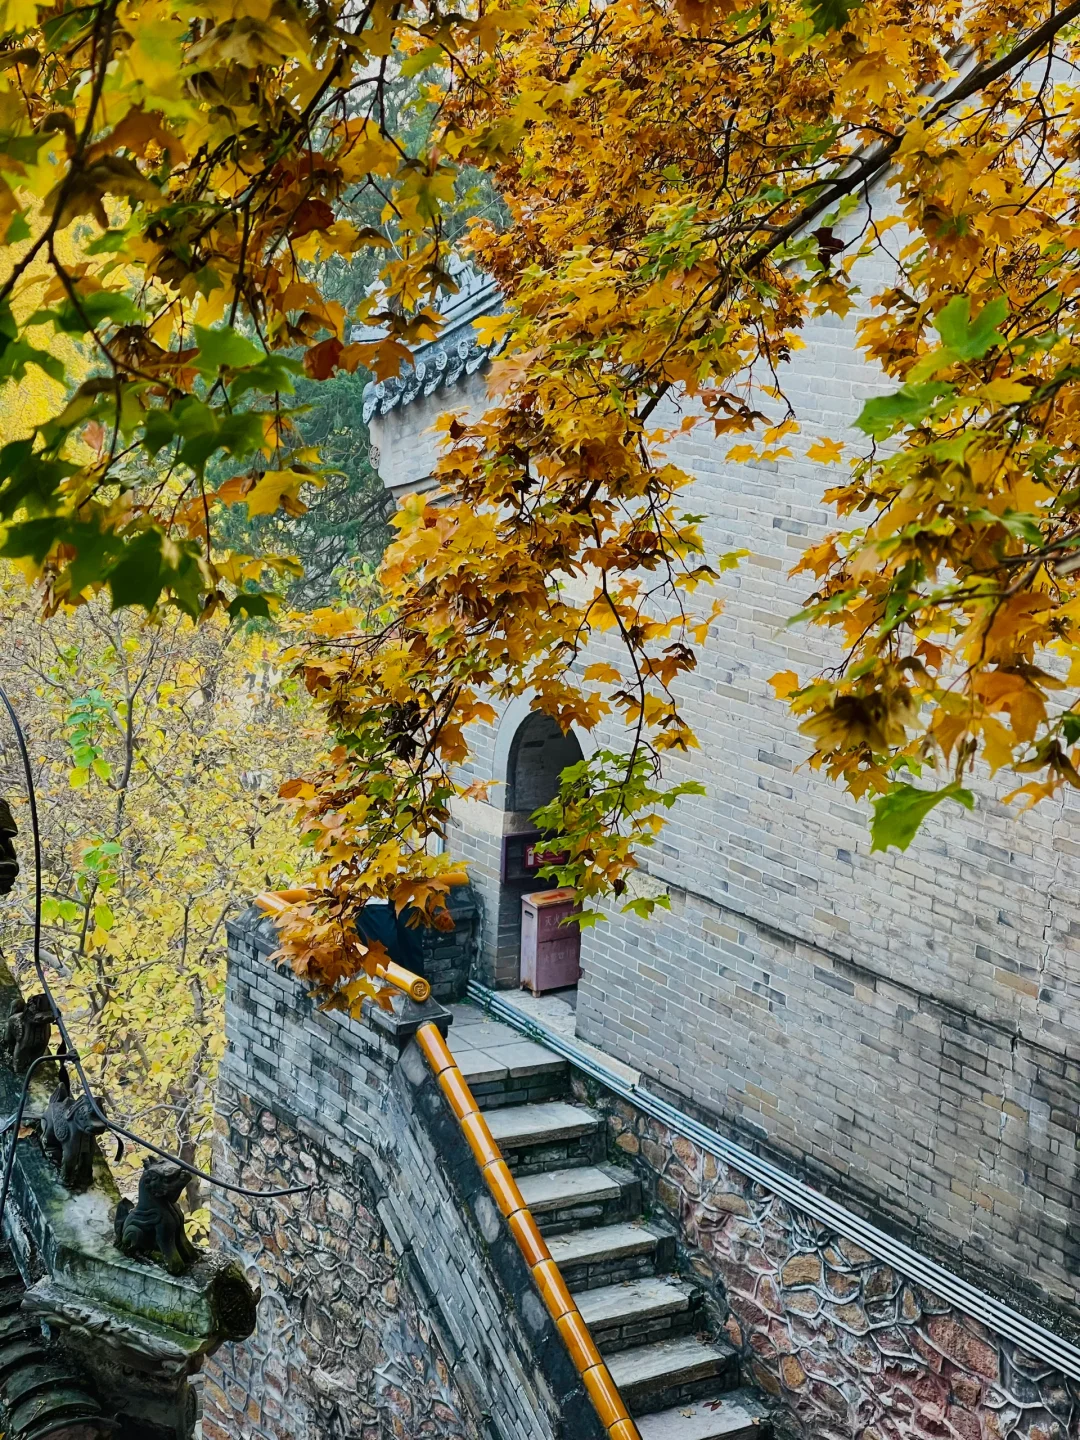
x=9 y=863
x=28 y=1027
x=68 y=1132
x=155 y=1224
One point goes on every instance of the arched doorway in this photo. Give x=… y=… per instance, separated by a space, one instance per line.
x=537 y=753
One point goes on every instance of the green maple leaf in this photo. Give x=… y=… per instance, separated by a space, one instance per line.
x=898 y=815
x=250 y=605
x=907 y=406
x=969 y=339
x=28 y=479
x=146 y=569
x=829 y=14
x=224 y=350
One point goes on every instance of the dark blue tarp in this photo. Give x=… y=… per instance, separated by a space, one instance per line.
x=402 y=941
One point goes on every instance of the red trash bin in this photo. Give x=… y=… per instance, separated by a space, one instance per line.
x=550 y=950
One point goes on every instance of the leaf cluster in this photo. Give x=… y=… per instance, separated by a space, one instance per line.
x=683 y=187
x=686 y=186
x=157 y=755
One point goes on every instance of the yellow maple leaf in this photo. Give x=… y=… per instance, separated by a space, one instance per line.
x=491 y=328
x=19 y=15
x=1006 y=392
x=998 y=743
x=825 y=450
x=274 y=489
x=784 y=683
x=155 y=56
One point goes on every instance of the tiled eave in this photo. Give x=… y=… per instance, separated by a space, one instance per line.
x=440 y=363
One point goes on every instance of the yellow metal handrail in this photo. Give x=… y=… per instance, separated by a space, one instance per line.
x=415 y=986
x=504 y=1191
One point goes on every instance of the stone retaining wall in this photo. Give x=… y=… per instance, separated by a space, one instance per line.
x=847 y=1348
x=342 y=1349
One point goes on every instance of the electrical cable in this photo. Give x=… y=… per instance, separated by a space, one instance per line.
x=16 y=1121
x=72 y=1053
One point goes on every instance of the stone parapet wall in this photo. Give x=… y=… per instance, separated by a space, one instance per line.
x=447 y=956
x=395 y=1301
x=846 y=1347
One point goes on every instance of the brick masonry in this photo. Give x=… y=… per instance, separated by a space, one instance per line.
x=395 y=1301
x=847 y=1348
x=902 y=1030
x=396 y=1304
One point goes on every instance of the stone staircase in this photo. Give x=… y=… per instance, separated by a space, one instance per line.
x=678 y=1379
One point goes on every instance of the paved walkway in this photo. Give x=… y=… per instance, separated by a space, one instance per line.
x=476 y=1038
x=486 y=1047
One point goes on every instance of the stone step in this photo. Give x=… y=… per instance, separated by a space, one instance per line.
x=638 y=1312
x=604 y=1254
x=673 y=1372
x=542 y=1137
x=508 y=1074
x=502 y=1055
x=521 y=1125
x=736 y=1416
x=570 y=1199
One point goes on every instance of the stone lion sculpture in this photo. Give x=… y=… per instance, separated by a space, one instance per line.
x=154 y=1225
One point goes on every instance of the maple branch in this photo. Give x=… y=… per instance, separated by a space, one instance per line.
x=867 y=171
x=870 y=168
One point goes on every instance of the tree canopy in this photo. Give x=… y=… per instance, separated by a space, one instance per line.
x=158 y=751
x=676 y=176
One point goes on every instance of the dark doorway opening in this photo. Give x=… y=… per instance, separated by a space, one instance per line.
x=538 y=755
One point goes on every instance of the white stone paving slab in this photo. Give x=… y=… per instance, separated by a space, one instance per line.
x=543 y=1124
x=560 y=1189
x=601 y=1242
x=631 y=1300
x=733 y=1419
x=670 y=1362
x=472 y=1028
x=523 y=1057
x=478 y=1066
x=559 y=1017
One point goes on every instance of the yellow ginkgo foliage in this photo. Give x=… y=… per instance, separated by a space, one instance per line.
x=157 y=752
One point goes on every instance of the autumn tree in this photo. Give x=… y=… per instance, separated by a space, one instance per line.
x=674 y=175
x=157 y=753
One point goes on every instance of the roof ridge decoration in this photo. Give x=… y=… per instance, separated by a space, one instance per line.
x=439 y=364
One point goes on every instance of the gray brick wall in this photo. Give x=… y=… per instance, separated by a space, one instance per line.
x=903 y=1028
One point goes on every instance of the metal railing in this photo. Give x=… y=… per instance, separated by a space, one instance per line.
x=1022 y=1329
x=500 y=1182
